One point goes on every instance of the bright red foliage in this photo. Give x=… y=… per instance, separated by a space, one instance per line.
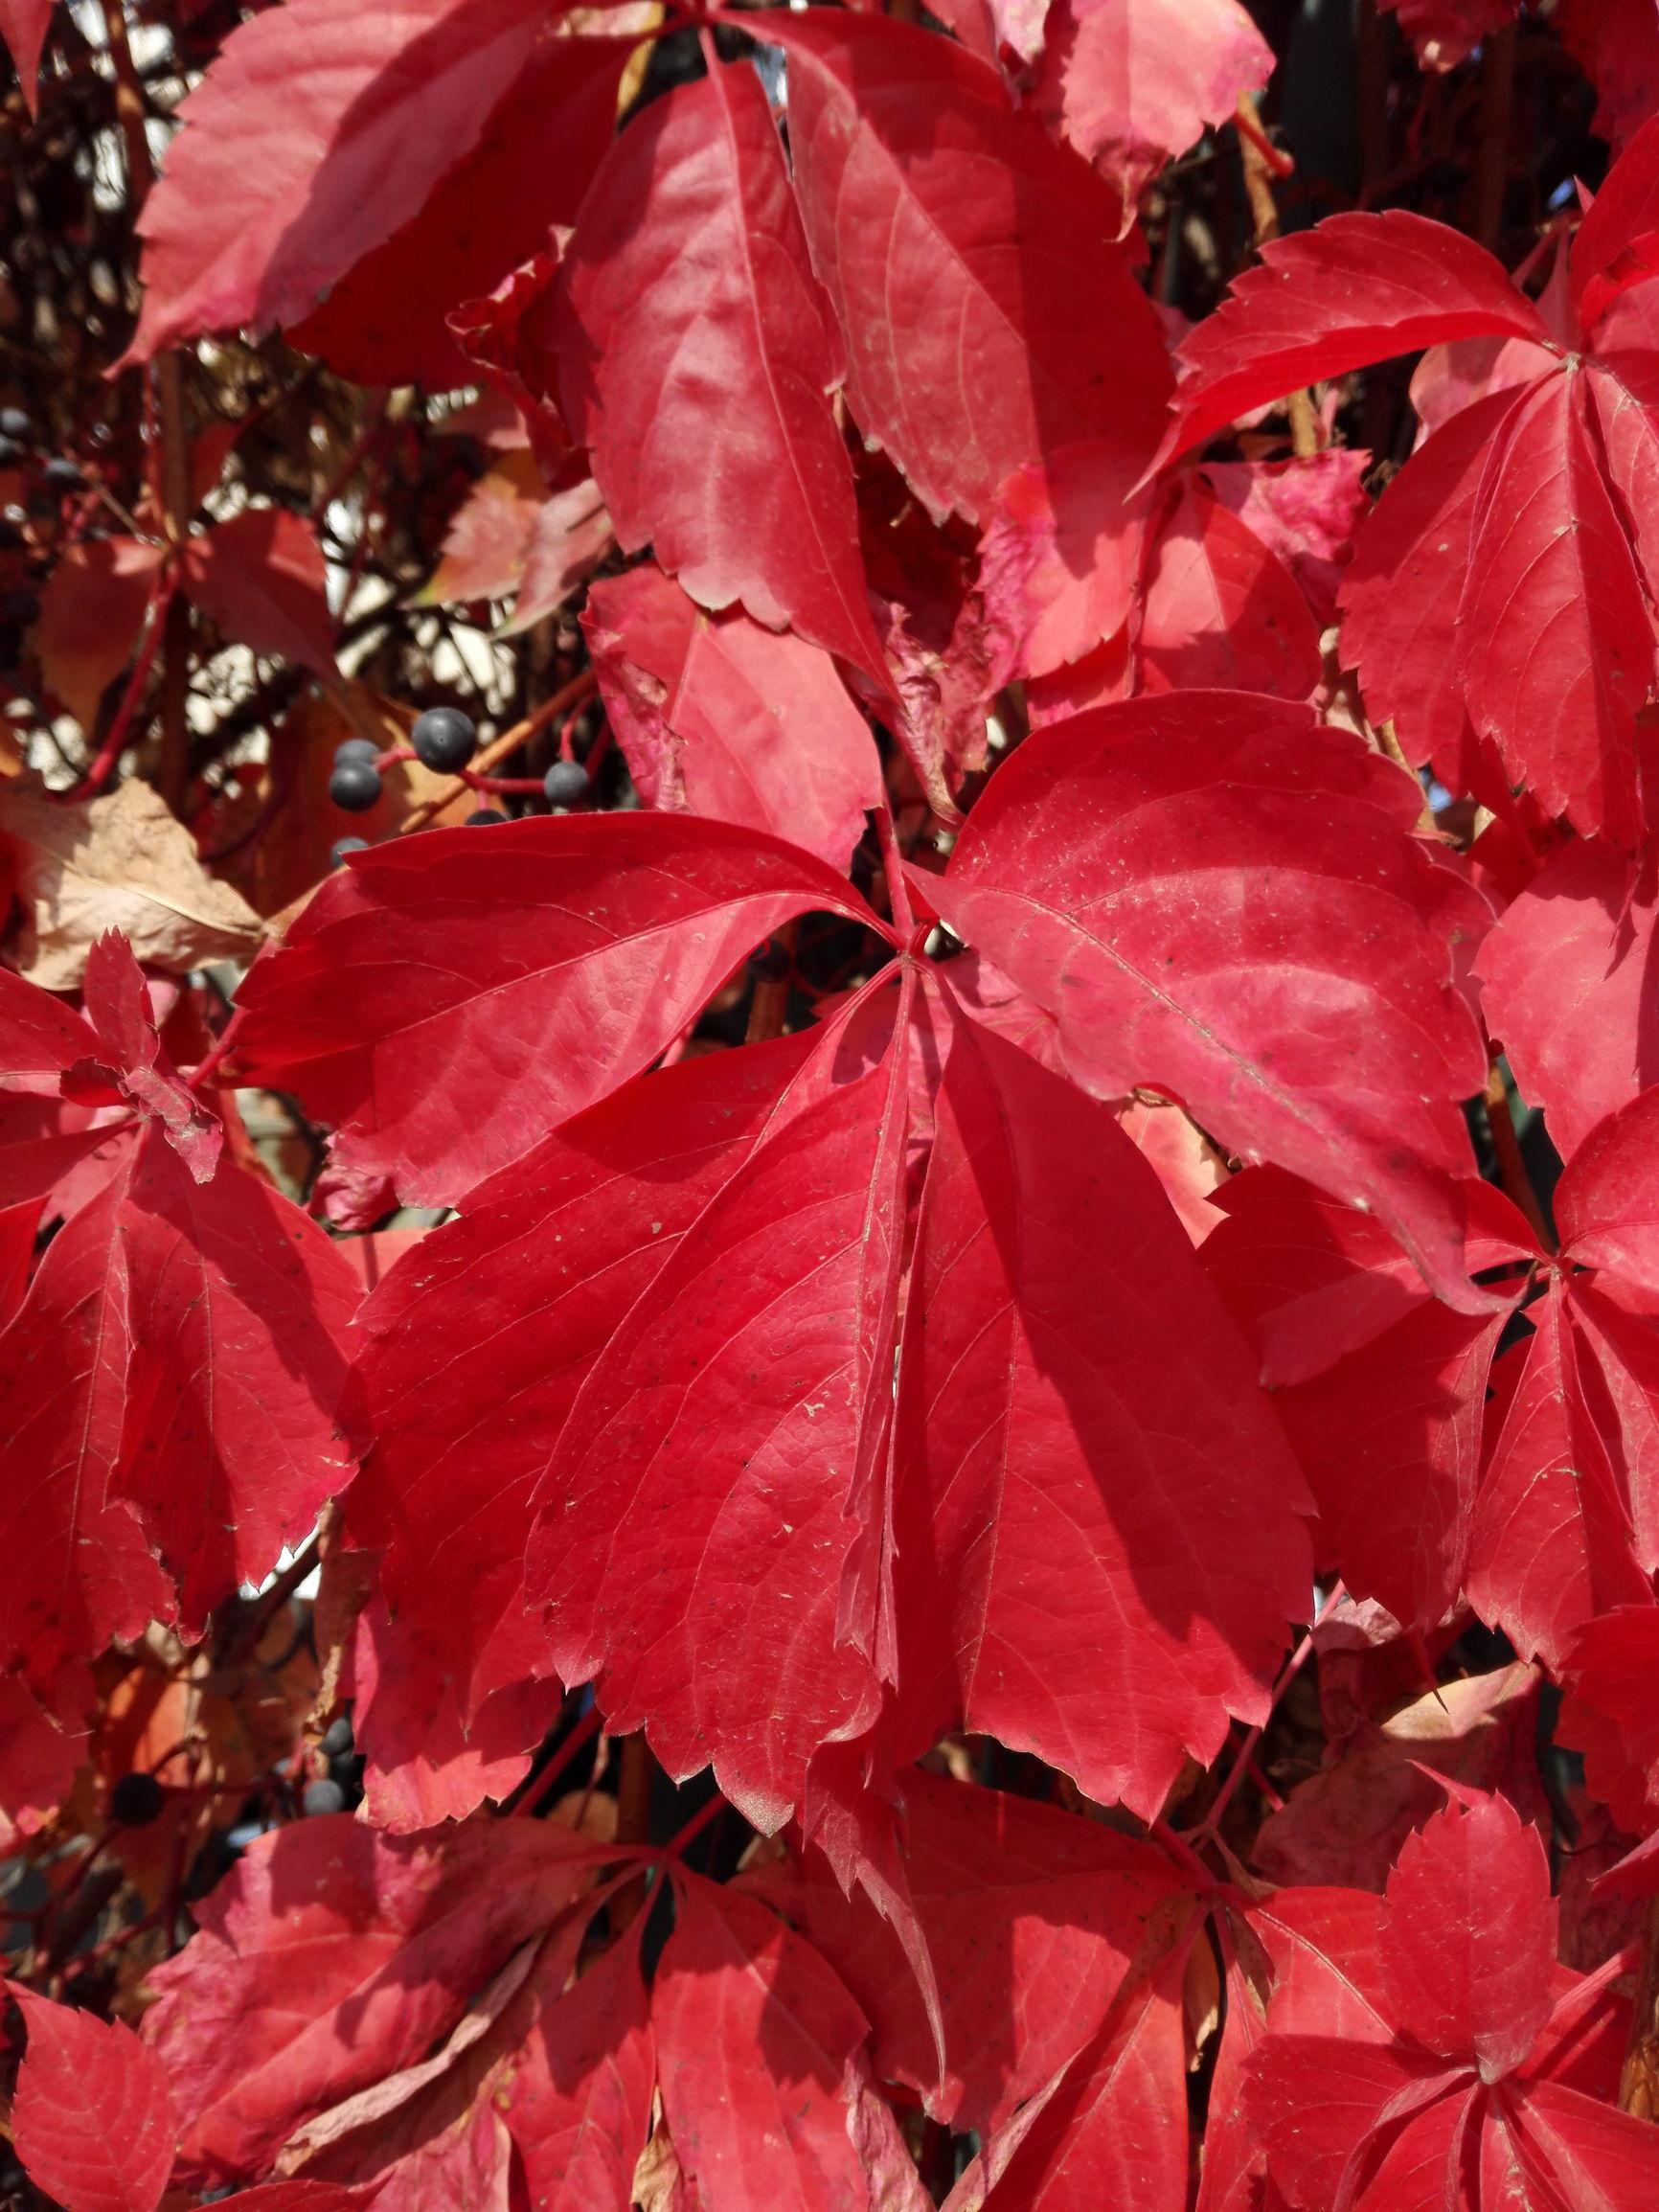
x=951 y=1265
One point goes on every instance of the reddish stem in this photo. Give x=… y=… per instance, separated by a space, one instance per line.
x=98 y=774
x=675 y=1846
x=1211 y=1824
x=577 y=1741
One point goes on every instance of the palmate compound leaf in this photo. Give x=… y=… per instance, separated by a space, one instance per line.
x=1395 y=2035
x=332 y=1956
x=170 y=1383
x=445 y=1001
x=1153 y=873
x=1036 y=1922
x=989 y=319
x=696 y=357
x=91 y=2121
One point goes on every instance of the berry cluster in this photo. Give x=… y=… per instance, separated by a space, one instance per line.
x=444 y=740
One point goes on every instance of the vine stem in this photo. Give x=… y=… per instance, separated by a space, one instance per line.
x=1639 y=2082
x=1261 y=167
x=1241 y=1765
x=580 y=1735
x=567 y=695
x=99 y=770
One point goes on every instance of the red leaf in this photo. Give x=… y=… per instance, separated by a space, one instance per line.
x=988 y=322
x=579 y=2103
x=1075 y=1411
x=1355 y=288
x=1156 y=927
x=118 y=1006
x=697 y=360
x=1128 y=82
x=1556 y=647
x=1309 y=510
x=261 y=579
x=1608 y=1201
x=1400 y=599
x=1011 y=1896
x=1551 y=1542
x=1597 y=2156
x=388 y=323
x=331 y=1956
x=1467 y=1940
x=569 y=537
x=1061 y=555
x=722 y=717
x=24 y=25
x=41 y=1037
x=1114 y=2129
x=572 y=951
x=1616 y=43
x=1221 y=610
x=1609 y=1714
x=1566 y=987
x=1612 y=248
x=314 y=138
x=522 y=1293
x=709 y=1519
x=92 y=611
x=1316 y=2103
x=91 y=2121
x=756 y=2040
x=1447 y=32
x=1391 y=1441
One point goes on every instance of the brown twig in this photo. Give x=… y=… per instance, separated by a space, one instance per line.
x=1259 y=174
x=1639 y=2082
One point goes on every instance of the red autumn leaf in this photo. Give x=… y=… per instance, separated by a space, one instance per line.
x=1607 y=1201
x=1221 y=610
x=1128 y=82
x=1447 y=32
x=757 y=2046
x=1309 y=510
x=118 y=1006
x=1609 y=1714
x=260 y=577
x=523 y=1292
x=988 y=320
x=1070 y=1410
x=1159 y=953
x=487 y=541
x=724 y=1456
x=568 y=539
x=1616 y=43
x=1552 y=576
x=1458 y=1989
x=1052 y=1912
x=24 y=25
x=719 y=716
x=91 y=614
x=331 y=1957
x=687 y=278
x=266 y=203
x=91 y=2120
x=1063 y=552
x=573 y=952
x=1566 y=990
x=1113 y=2128
x=1400 y=599
x=1355 y=288
x=1551 y=1542
x=388 y=323
x=41 y=1037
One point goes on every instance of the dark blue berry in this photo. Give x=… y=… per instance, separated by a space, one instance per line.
x=341 y=846
x=485 y=818
x=444 y=739
x=136 y=1800
x=565 y=784
x=14 y=424
x=10 y=452
x=354 y=785
x=62 y=474
x=324 y=1796
x=355 y=749
x=336 y=1740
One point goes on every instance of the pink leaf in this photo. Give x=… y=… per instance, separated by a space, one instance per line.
x=91 y=2121
x=1607 y=1201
